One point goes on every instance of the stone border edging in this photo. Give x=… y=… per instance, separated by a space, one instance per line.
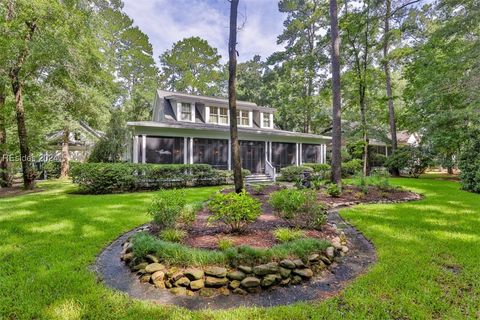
x=116 y=275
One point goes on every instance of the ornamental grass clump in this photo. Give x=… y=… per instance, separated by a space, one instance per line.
x=234 y=209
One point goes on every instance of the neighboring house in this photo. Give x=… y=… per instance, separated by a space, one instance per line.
x=81 y=141
x=195 y=129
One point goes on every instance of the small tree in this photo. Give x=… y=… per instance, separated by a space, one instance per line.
x=111 y=147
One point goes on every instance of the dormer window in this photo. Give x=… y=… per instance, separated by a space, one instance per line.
x=218 y=115
x=186 y=111
x=243 y=118
x=267 y=120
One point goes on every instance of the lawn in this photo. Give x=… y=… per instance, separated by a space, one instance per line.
x=428 y=258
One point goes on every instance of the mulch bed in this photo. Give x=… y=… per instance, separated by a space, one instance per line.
x=259 y=233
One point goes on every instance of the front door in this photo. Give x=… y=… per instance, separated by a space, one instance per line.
x=252 y=154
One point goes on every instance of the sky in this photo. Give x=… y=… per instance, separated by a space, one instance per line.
x=168 y=21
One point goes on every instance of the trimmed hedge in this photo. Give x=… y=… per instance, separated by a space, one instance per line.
x=293 y=173
x=98 y=178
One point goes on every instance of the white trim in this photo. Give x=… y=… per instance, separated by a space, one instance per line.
x=207 y=114
x=191 y=150
x=144 y=148
x=271 y=120
x=185 y=150
x=250 y=118
x=261 y=119
x=135 y=149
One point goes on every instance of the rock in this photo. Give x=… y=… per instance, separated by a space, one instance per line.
x=145 y=278
x=168 y=285
x=197 y=284
x=296 y=279
x=182 y=282
x=314 y=258
x=299 y=263
x=265 y=269
x=207 y=292
x=127 y=257
x=330 y=253
x=344 y=249
x=234 y=284
x=325 y=260
x=141 y=272
x=154 y=267
x=139 y=266
x=236 y=275
x=177 y=275
x=218 y=272
x=285 y=282
x=245 y=269
x=158 y=275
x=305 y=273
x=270 y=280
x=190 y=293
x=318 y=267
x=215 y=282
x=170 y=272
x=239 y=291
x=224 y=291
x=254 y=290
x=337 y=245
x=159 y=283
x=194 y=274
x=151 y=258
x=284 y=272
x=250 y=282
x=286 y=263
x=178 y=291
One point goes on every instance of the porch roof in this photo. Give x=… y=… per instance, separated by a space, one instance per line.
x=261 y=133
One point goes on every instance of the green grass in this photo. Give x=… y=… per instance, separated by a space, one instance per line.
x=428 y=258
x=179 y=254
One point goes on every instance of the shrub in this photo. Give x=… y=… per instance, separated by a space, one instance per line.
x=189 y=213
x=293 y=173
x=167 y=207
x=257 y=189
x=469 y=163
x=224 y=244
x=52 y=169
x=234 y=209
x=322 y=170
x=173 y=235
x=333 y=190
x=380 y=180
x=96 y=178
x=300 y=207
x=352 y=167
x=411 y=161
x=287 y=234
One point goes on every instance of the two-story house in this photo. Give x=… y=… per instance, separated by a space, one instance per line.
x=195 y=129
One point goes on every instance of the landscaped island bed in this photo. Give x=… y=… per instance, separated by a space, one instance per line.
x=277 y=247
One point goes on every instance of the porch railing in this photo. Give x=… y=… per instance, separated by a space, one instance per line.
x=270 y=170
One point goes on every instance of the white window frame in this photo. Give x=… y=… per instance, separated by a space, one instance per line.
x=192 y=111
x=269 y=117
x=239 y=118
x=218 y=116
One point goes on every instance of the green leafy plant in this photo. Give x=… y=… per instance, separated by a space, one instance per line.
x=300 y=207
x=234 y=209
x=189 y=213
x=293 y=173
x=287 y=234
x=322 y=170
x=469 y=163
x=257 y=189
x=224 y=244
x=173 y=235
x=167 y=207
x=411 y=161
x=333 y=190
x=351 y=168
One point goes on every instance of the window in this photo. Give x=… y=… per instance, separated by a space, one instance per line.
x=186 y=112
x=243 y=118
x=213 y=115
x=218 y=115
x=266 y=120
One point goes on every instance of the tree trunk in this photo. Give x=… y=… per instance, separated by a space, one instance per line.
x=363 y=111
x=17 y=87
x=232 y=97
x=336 y=97
x=5 y=179
x=65 y=165
x=388 y=83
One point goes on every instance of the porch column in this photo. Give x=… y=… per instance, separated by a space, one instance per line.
x=144 y=148
x=270 y=152
x=185 y=150
x=324 y=153
x=135 y=149
x=229 y=154
x=296 y=154
x=191 y=150
x=300 y=153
